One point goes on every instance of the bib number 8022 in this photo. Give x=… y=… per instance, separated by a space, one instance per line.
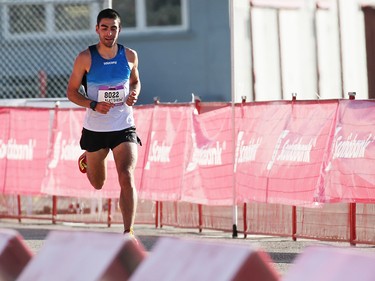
x=111 y=95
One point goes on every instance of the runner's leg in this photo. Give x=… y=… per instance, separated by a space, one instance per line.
x=97 y=167
x=125 y=155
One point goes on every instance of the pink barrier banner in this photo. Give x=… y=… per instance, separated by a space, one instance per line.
x=350 y=173
x=24 y=135
x=281 y=149
x=143 y=116
x=165 y=150
x=62 y=175
x=4 y=137
x=288 y=152
x=208 y=167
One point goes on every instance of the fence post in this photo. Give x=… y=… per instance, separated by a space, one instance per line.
x=109 y=217
x=243 y=101
x=353 y=223
x=19 y=207
x=156 y=102
x=156 y=214
x=53 y=133
x=351 y=95
x=54 y=209
x=197 y=103
x=161 y=213
x=200 y=217
x=294 y=208
x=244 y=220
x=294 y=223
x=352 y=206
x=244 y=211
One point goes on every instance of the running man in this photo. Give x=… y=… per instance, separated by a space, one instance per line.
x=111 y=80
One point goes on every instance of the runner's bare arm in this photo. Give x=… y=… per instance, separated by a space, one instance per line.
x=135 y=82
x=81 y=66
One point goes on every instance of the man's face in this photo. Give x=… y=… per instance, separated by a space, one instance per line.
x=108 y=31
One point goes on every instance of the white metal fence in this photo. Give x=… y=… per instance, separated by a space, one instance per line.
x=38 y=43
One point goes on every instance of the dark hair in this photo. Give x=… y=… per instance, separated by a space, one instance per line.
x=108 y=14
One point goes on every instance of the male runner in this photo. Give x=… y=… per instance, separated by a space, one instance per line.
x=110 y=71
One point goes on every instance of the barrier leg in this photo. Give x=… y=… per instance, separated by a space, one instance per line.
x=156 y=214
x=161 y=213
x=200 y=215
x=109 y=218
x=353 y=223
x=294 y=223
x=54 y=209
x=244 y=220
x=235 y=219
x=19 y=207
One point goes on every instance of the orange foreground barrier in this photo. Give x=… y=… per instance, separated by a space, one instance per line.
x=332 y=264
x=14 y=255
x=78 y=256
x=184 y=260
x=94 y=256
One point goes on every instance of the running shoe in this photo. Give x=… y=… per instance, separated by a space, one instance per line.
x=82 y=164
x=130 y=234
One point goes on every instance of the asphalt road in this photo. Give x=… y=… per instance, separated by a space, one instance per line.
x=282 y=251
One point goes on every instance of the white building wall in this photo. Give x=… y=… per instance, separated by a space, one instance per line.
x=310 y=46
x=354 y=48
x=266 y=55
x=328 y=54
x=241 y=66
x=298 y=54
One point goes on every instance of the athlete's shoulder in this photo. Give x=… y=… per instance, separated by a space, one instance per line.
x=84 y=56
x=129 y=50
x=83 y=60
x=131 y=55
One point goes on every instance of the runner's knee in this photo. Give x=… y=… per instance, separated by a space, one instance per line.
x=126 y=179
x=97 y=184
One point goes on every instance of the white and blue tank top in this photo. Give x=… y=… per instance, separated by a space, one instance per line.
x=108 y=80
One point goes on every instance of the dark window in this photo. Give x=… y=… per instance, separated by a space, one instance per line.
x=71 y=17
x=126 y=9
x=163 y=12
x=22 y=19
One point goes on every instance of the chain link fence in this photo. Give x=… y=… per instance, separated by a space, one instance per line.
x=39 y=41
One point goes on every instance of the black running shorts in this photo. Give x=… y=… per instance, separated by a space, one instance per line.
x=93 y=141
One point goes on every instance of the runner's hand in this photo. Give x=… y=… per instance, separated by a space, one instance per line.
x=103 y=107
x=132 y=98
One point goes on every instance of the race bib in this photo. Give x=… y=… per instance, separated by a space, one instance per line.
x=115 y=95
